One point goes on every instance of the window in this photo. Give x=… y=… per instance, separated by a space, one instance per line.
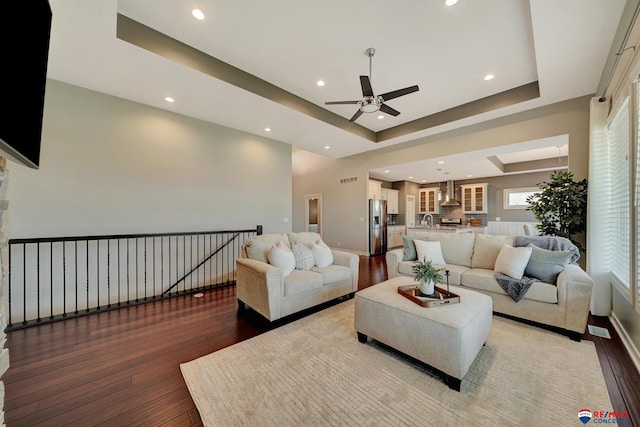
x=618 y=136
x=516 y=198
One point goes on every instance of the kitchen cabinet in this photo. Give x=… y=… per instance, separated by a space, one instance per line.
x=394 y=236
x=474 y=198
x=391 y=196
x=375 y=190
x=428 y=202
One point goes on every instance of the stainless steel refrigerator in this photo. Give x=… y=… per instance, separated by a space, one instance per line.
x=377 y=226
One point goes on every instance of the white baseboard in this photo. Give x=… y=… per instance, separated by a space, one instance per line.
x=626 y=340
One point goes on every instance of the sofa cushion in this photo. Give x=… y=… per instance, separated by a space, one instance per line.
x=303 y=256
x=333 y=273
x=307 y=238
x=258 y=247
x=457 y=248
x=455 y=271
x=512 y=261
x=282 y=257
x=455 y=274
x=429 y=251
x=301 y=281
x=484 y=280
x=321 y=254
x=406 y=268
x=546 y=265
x=486 y=249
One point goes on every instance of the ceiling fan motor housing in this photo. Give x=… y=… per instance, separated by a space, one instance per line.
x=369 y=104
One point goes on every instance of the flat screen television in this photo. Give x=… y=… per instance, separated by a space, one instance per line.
x=25 y=28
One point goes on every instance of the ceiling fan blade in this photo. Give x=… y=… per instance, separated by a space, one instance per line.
x=366 y=86
x=356 y=115
x=340 y=102
x=386 y=109
x=396 y=93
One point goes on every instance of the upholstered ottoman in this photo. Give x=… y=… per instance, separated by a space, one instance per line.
x=447 y=337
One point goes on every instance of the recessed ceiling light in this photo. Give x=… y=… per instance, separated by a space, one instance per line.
x=198 y=14
x=380 y=117
x=169 y=99
x=450 y=2
x=387 y=171
x=410 y=177
x=441 y=162
x=489 y=77
x=326 y=147
x=267 y=129
x=469 y=176
x=320 y=82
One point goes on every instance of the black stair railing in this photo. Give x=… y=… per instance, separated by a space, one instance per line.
x=56 y=278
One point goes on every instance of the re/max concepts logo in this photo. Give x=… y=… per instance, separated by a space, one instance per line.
x=603 y=417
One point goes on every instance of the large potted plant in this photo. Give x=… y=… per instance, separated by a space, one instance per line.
x=561 y=206
x=427 y=275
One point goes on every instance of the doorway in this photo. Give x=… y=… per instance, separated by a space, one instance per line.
x=313 y=213
x=410 y=215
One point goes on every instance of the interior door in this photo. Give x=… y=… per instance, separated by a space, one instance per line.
x=313 y=213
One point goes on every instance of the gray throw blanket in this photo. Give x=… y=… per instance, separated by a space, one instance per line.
x=552 y=243
x=513 y=287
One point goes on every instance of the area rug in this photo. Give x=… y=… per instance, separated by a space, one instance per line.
x=314 y=372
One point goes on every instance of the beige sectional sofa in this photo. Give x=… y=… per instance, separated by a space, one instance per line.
x=274 y=292
x=471 y=258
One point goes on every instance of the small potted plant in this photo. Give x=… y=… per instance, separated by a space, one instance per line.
x=427 y=275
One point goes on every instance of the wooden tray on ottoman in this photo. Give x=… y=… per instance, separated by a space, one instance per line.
x=413 y=293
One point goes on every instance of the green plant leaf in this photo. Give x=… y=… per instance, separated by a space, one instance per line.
x=561 y=206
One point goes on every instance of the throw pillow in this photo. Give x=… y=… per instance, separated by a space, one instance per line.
x=512 y=261
x=546 y=265
x=322 y=254
x=431 y=251
x=410 y=253
x=303 y=256
x=281 y=256
x=486 y=249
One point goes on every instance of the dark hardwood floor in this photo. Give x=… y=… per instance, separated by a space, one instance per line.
x=121 y=368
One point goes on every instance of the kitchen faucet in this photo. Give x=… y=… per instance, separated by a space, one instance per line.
x=424 y=218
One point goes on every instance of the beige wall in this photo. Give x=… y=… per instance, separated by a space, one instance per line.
x=345 y=204
x=110 y=166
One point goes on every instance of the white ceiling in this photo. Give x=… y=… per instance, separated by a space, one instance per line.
x=446 y=51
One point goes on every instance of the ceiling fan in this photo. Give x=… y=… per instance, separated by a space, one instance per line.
x=371 y=103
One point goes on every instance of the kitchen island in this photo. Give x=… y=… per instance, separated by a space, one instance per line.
x=446 y=229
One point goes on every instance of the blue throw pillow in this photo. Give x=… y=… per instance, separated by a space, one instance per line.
x=546 y=265
x=410 y=253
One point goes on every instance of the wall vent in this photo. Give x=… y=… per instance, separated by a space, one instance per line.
x=348 y=180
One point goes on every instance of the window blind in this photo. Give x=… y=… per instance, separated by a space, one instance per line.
x=619 y=209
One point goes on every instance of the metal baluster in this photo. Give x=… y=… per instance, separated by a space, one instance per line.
x=108 y=273
x=64 y=279
x=145 y=268
x=98 y=273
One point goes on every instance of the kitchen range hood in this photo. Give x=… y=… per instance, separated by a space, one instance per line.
x=450 y=199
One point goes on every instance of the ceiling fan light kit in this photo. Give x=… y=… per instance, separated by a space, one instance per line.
x=370 y=103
